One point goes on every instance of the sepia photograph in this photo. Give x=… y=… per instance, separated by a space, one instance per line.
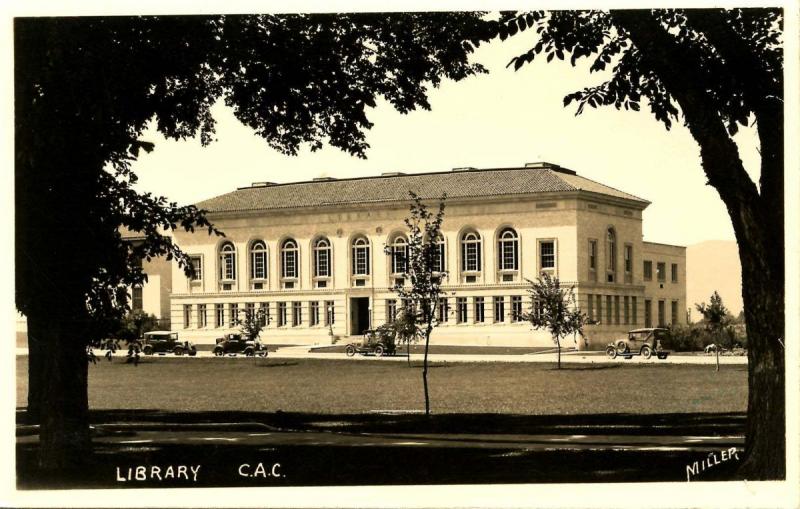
x=423 y=256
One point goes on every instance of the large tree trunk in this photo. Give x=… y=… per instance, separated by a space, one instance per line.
x=64 y=434
x=35 y=371
x=757 y=219
x=764 y=457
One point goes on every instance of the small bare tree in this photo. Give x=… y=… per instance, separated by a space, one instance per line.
x=554 y=308
x=424 y=272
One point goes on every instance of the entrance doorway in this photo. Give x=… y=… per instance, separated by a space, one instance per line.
x=359 y=315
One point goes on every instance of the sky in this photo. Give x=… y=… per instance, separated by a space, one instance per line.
x=504 y=118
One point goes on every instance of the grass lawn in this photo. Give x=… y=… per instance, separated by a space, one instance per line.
x=347 y=386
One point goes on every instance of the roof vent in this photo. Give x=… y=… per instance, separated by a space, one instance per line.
x=544 y=165
x=464 y=168
x=392 y=174
x=322 y=179
x=541 y=164
x=262 y=184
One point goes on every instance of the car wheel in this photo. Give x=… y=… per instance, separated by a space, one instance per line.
x=379 y=351
x=218 y=352
x=611 y=352
x=179 y=351
x=350 y=350
x=192 y=353
x=249 y=352
x=147 y=350
x=647 y=352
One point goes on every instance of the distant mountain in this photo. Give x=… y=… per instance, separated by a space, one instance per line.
x=713 y=265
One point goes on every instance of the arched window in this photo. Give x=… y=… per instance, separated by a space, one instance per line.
x=289 y=258
x=508 y=250
x=611 y=254
x=227 y=262
x=399 y=255
x=360 y=257
x=258 y=260
x=322 y=258
x=471 y=252
x=439 y=261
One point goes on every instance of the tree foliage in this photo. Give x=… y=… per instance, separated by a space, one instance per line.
x=252 y=324
x=716 y=70
x=421 y=296
x=715 y=314
x=87 y=88
x=554 y=308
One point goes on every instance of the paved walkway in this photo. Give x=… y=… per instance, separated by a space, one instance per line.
x=583 y=357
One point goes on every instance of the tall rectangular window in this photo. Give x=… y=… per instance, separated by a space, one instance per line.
x=590 y=306
x=648 y=313
x=616 y=309
x=444 y=309
x=648 y=270
x=609 y=311
x=593 y=255
x=439 y=261
x=137 y=300
x=628 y=254
x=635 y=311
x=599 y=308
x=661 y=271
x=297 y=316
x=461 y=309
x=187 y=316
x=250 y=310
x=281 y=314
x=627 y=306
x=499 y=309
x=674 y=272
x=201 y=316
x=264 y=313
x=219 y=314
x=547 y=254
x=313 y=313
x=234 y=314
x=479 y=309
x=661 y=313
x=197 y=266
x=330 y=316
x=674 y=312
x=516 y=308
x=391 y=310
x=360 y=257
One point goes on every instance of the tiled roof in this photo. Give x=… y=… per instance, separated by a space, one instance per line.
x=468 y=183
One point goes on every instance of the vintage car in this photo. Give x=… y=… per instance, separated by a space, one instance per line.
x=161 y=342
x=644 y=342
x=380 y=341
x=234 y=343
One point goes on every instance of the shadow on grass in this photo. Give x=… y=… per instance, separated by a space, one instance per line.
x=714 y=424
x=325 y=464
x=277 y=364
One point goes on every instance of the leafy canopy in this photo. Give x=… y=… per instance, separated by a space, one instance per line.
x=554 y=308
x=705 y=36
x=86 y=89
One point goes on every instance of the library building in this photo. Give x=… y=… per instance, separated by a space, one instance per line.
x=311 y=255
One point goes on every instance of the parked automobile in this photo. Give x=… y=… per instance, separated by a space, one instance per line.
x=380 y=341
x=160 y=341
x=234 y=343
x=644 y=342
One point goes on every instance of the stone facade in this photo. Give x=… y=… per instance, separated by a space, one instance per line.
x=551 y=230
